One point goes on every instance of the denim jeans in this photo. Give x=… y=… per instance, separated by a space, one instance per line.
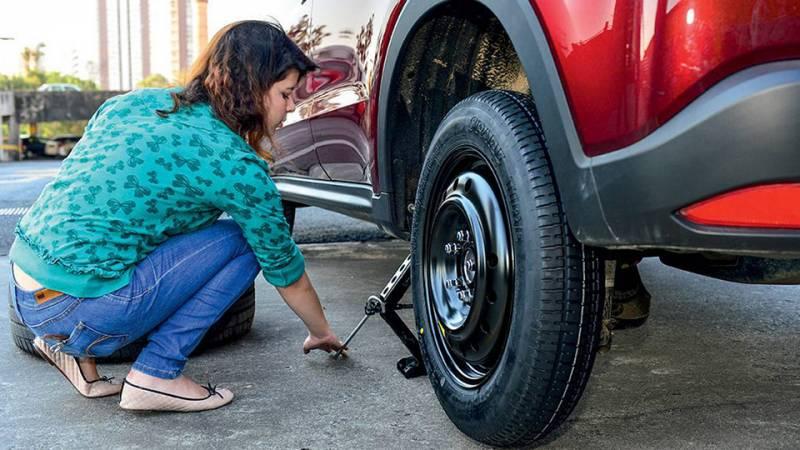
x=175 y=295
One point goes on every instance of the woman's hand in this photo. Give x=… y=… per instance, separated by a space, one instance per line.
x=302 y=298
x=328 y=342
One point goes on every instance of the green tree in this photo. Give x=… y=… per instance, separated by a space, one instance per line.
x=155 y=80
x=34 y=79
x=13 y=82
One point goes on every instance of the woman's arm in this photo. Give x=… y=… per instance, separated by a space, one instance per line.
x=303 y=300
x=253 y=201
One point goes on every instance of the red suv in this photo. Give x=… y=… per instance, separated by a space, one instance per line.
x=524 y=146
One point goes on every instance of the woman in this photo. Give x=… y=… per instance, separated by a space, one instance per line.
x=125 y=241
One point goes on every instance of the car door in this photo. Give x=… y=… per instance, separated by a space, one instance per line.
x=344 y=43
x=295 y=153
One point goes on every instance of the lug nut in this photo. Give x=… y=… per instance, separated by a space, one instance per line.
x=462 y=235
x=454 y=283
x=452 y=248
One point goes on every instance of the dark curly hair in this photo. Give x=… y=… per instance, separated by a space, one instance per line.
x=234 y=72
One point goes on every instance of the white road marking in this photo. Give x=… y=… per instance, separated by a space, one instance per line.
x=13 y=211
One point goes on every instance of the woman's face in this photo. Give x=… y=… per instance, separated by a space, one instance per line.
x=278 y=100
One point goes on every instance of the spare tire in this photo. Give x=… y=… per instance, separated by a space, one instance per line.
x=235 y=323
x=507 y=302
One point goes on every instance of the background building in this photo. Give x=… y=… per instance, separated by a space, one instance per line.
x=124 y=43
x=131 y=34
x=189 y=28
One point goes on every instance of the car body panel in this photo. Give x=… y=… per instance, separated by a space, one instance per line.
x=520 y=22
x=628 y=66
x=349 y=49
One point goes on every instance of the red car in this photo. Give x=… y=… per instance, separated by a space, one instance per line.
x=524 y=146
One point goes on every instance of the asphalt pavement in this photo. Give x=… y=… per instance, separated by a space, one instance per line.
x=716 y=366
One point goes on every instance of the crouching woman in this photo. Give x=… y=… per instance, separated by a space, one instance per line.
x=126 y=242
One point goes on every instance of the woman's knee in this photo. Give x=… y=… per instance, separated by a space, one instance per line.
x=228 y=226
x=234 y=236
x=250 y=262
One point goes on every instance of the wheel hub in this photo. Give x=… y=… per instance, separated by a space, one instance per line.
x=469 y=273
x=457 y=268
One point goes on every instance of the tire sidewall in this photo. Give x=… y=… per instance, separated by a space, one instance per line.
x=472 y=124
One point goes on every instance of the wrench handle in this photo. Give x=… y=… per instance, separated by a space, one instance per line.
x=350 y=337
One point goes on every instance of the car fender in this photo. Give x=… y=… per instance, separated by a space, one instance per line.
x=571 y=166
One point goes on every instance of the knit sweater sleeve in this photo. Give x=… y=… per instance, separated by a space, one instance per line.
x=248 y=194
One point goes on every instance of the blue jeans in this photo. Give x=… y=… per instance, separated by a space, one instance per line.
x=175 y=295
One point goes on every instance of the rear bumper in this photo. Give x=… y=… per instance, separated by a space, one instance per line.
x=744 y=131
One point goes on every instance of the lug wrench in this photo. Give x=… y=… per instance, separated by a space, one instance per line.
x=373 y=306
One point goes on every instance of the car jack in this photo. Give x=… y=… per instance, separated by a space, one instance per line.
x=386 y=304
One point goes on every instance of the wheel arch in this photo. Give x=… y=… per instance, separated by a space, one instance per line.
x=417 y=69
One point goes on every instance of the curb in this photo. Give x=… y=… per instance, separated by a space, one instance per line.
x=361 y=250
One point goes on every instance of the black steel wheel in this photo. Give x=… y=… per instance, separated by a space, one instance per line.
x=507 y=302
x=468 y=269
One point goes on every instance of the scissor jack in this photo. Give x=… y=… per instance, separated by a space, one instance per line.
x=386 y=304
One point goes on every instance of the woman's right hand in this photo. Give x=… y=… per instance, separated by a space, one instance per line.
x=328 y=343
x=304 y=301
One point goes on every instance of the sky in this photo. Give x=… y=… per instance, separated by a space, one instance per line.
x=69 y=30
x=65 y=32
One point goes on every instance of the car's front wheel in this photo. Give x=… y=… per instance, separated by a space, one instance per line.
x=507 y=302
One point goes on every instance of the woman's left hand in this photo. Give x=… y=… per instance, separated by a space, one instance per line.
x=328 y=342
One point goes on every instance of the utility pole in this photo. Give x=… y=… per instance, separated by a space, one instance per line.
x=103 y=53
x=119 y=42
x=130 y=56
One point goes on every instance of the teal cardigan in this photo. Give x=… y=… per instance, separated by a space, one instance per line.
x=134 y=180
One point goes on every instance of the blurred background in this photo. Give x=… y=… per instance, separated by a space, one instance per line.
x=110 y=45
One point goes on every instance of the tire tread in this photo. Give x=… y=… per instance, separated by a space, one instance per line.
x=570 y=291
